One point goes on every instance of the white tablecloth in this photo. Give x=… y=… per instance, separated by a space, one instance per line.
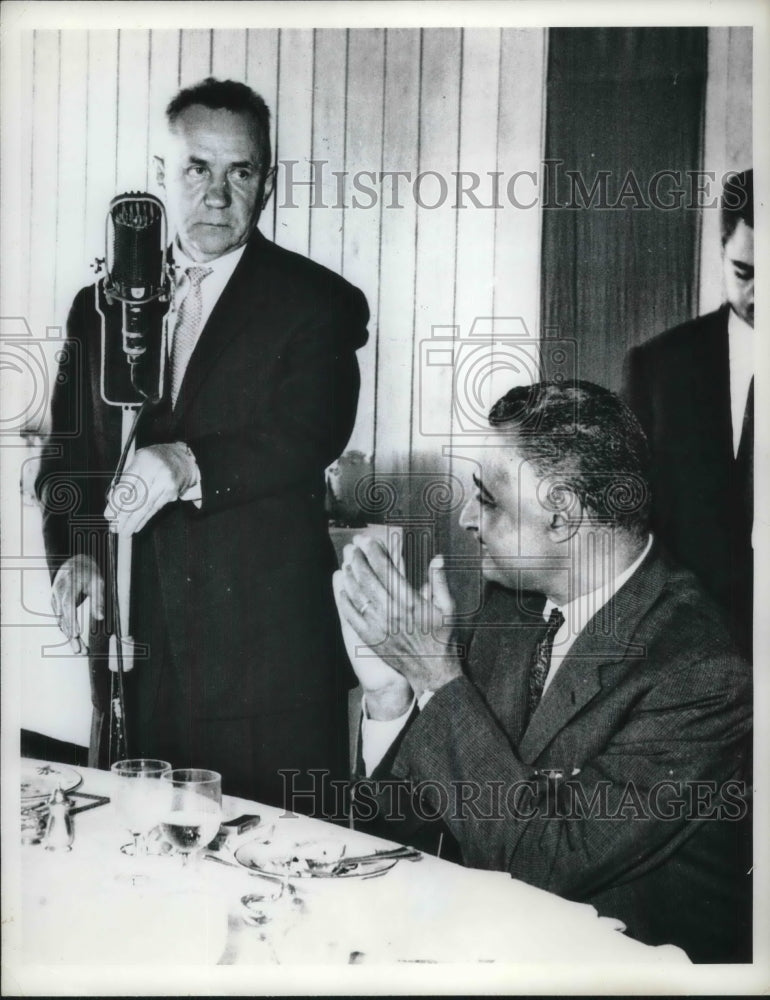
x=80 y=907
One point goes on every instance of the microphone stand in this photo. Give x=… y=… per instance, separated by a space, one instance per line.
x=121 y=649
x=120 y=549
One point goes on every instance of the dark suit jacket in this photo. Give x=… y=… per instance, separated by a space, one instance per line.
x=678 y=384
x=234 y=600
x=651 y=692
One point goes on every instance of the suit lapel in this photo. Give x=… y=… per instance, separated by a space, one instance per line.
x=604 y=646
x=236 y=306
x=499 y=658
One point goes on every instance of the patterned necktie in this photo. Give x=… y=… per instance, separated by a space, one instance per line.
x=187 y=327
x=541 y=659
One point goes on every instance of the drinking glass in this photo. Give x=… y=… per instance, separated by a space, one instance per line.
x=193 y=809
x=140 y=798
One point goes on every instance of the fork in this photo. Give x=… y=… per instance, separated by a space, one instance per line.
x=344 y=864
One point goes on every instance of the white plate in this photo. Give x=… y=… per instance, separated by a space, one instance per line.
x=39 y=780
x=297 y=860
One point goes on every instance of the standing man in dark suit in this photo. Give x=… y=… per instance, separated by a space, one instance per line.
x=692 y=388
x=600 y=754
x=232 y=563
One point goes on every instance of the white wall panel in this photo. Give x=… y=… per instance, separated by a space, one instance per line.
x=364 y=102
x=294 y=133
x=394 y=322
x=361 y=225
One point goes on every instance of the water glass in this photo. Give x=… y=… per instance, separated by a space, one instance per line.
x=140 y=798
x=193 y=809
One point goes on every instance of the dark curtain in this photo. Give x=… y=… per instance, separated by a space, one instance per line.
x=630 y=102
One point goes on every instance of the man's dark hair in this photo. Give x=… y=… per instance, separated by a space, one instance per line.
x=588 y=441
x=737 y=202
x=228 y=95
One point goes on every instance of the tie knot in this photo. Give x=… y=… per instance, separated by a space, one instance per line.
x=195 y=275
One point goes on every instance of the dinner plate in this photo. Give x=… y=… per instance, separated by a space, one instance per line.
x=299 y=859
x=39 y=780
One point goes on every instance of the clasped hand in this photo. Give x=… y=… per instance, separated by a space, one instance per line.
x=156 y=475
x=408 y=640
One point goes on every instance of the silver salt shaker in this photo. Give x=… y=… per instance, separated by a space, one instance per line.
x=59 y=833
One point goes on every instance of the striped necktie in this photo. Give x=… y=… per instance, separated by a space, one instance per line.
x=187 y=327
x=541 y=659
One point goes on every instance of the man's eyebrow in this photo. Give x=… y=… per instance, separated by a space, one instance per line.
x=198 y=161
x=480 y=486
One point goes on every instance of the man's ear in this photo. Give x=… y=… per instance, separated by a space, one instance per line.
x=267 y=186
x=566 y=520
x=160 y=170
x=561 y=527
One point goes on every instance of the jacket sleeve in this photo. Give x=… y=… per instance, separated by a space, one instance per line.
x=72 y=480
x=621 y=814
x=309 y=423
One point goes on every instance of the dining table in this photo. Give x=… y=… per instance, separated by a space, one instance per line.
x=95 y=905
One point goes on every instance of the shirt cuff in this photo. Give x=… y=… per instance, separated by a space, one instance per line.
x=377 y=736
x=194 y=493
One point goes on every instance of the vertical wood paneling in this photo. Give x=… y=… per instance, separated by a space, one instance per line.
x=361 y=226
x=228 y=59
x=361 y=100
x=16 y=233
x=436 y=292
x=44 y=177
x=164 y=83
x=262 y=76
x=133 y=122
x=102 y=132
x=72 y=271
x=394 y=374
x=474 y=266
x=194 y=56
x=517 y=232
x=294 y=116
x=327 y=218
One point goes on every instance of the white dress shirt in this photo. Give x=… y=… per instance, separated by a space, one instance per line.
x=579 y=612
x=212 y=287
x=741 y=338
x=377 y=736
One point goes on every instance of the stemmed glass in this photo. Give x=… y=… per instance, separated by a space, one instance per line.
x=140 y=798
x=193 y=809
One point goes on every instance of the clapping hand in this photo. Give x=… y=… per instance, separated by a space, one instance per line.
x=406 y=630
